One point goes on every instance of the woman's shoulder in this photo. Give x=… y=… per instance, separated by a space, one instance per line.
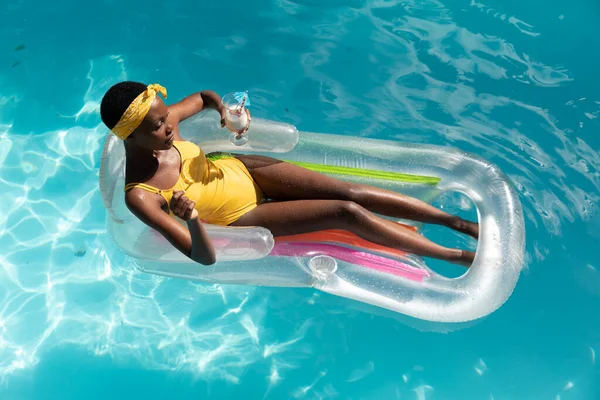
x=188 y=149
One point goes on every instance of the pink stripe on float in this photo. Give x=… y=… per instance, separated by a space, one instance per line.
x=367 y=260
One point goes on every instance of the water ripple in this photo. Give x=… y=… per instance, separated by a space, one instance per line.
x=454 y=102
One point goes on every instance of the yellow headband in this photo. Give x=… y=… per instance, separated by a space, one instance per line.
x=137 y=110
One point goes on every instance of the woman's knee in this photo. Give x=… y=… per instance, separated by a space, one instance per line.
x=355 y=193
x=348 y=211
x=347 y=191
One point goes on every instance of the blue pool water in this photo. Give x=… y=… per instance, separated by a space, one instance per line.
x=513 y=81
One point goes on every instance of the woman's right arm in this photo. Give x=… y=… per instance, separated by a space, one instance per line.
x=193 y=242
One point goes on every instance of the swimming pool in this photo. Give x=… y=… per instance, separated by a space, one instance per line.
x=511 y=81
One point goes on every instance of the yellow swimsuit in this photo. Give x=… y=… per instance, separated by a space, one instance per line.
x=223 y=189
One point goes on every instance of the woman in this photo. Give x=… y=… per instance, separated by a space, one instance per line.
x=166 y=175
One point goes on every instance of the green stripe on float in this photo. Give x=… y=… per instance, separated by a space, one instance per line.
x=368 y=173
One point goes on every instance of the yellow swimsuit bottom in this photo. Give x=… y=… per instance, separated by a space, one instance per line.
x=222 y=189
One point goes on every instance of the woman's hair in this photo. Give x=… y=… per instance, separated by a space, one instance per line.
x=117 y=99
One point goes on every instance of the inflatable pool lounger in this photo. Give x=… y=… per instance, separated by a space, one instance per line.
x=334 y=261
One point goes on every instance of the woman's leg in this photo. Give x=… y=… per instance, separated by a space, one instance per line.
x=284 y=181
x=302 y=216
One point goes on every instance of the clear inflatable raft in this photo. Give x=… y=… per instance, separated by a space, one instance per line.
x=332 y=261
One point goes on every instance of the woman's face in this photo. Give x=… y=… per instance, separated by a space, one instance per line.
x=154 y=133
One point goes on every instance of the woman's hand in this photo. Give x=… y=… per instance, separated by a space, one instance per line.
x=223 y=111
x=248 y=125
x=183 y=207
